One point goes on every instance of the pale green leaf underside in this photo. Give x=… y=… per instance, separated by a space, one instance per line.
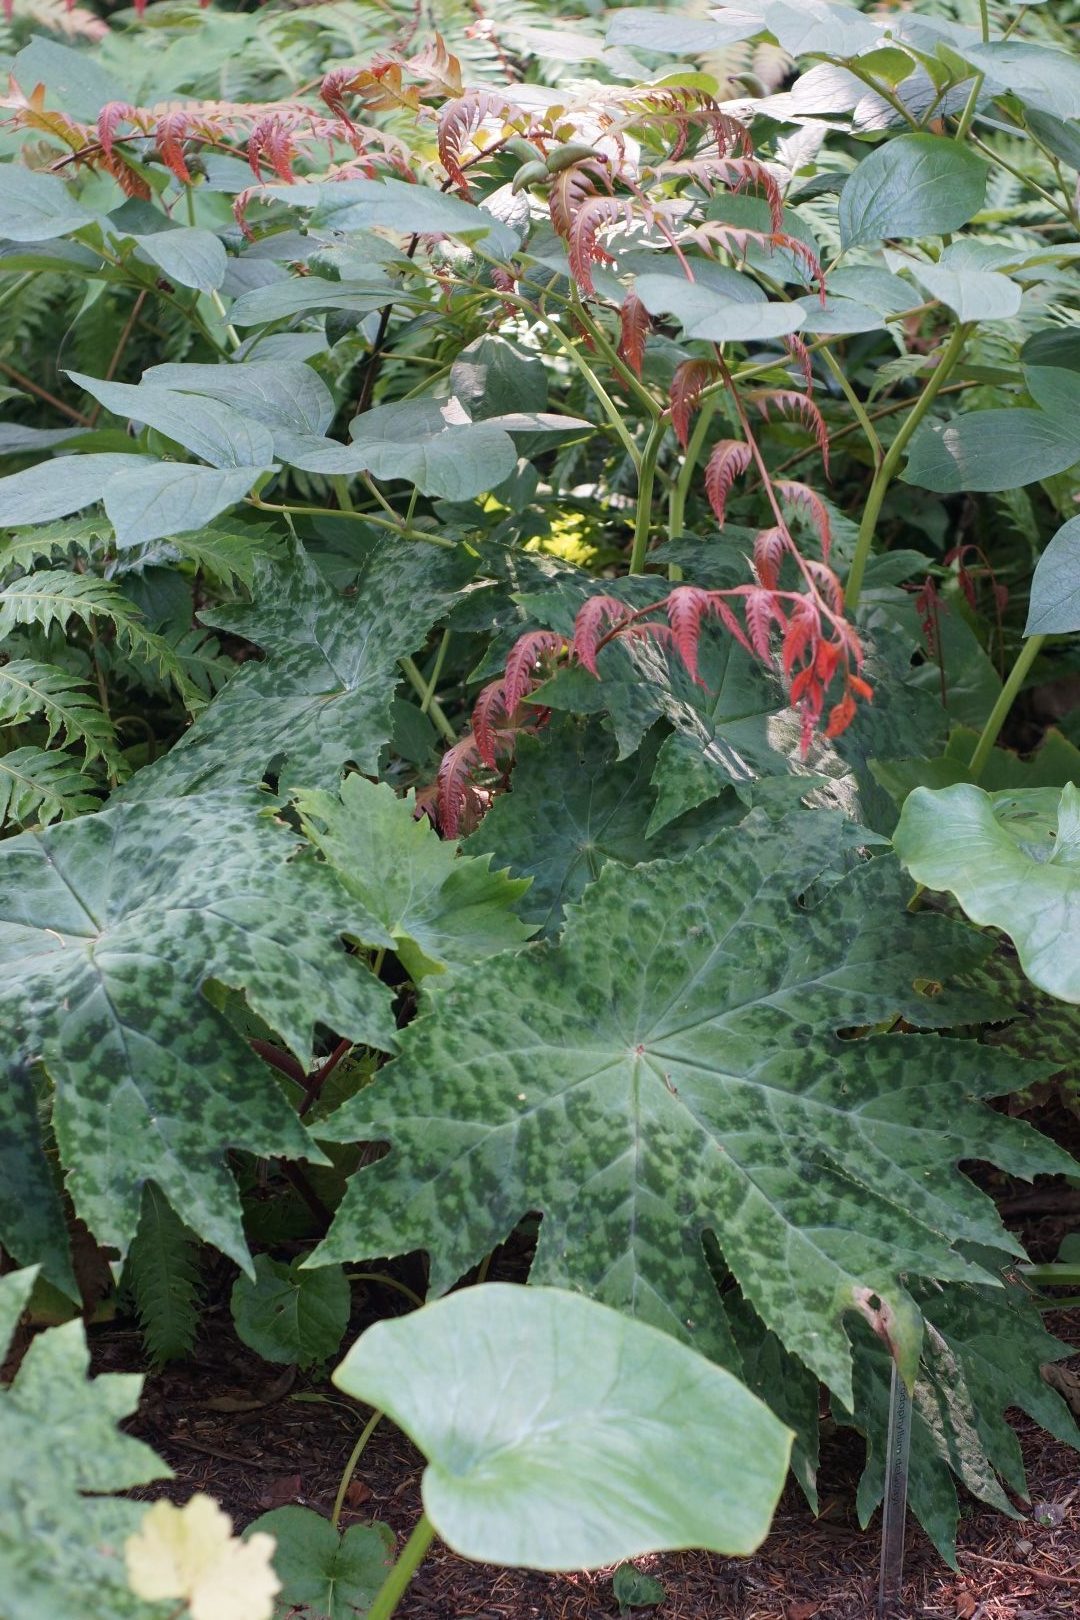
x=1013 y=862
x=561 y=1435
x=684 y=1035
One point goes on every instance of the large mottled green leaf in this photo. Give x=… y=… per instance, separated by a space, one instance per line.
x=322 y=695
x=684 y=1034
x=606 y=1439
x=110 y=927
x=982 y=1353
x=572 y=807
x=431 y=906
x=61 y=1551
x=1013 y=862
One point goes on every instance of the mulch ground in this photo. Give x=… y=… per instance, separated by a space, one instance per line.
x=293 y=1449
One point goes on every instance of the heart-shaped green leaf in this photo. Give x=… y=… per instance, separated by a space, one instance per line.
x=563 y=1435
x=290 y=1315
x=325 y=1575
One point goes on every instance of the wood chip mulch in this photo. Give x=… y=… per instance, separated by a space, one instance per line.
x=293 y=1448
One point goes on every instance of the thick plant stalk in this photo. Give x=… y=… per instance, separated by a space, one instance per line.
x=392 y=1589
x=646 y=482
x=894 y=1511
x=1000 y=712
x=885 y=473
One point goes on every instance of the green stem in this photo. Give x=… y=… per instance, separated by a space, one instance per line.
x=384 y=1279
x=1024 y=179
x=599 y=337
x=858 y=409
x=350 y=1467
x=646 y=483
x=984 y=20
x=680 y=489
x=392 y=1589
x=230 y=330
x=434 y=708
x=361 y=517
x=968 y=114
x=428 y=696
x=884 y=475
x=1000 y=712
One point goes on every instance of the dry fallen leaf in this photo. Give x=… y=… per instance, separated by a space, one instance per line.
x=191 y=1553
x=966 y=1603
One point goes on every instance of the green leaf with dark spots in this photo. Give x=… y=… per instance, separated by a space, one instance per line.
x=433 y=907
x=110 y=929
x=321 y=697
x=61 y=1550
x=675 y=1067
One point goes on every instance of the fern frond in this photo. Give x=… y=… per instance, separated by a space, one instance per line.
x=51 y=542
x=55 y=596
x=162 y=1277
x=29 y=689
x=39 y=785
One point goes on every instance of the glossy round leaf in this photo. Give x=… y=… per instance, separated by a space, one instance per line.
x=1013 y=862
x=563 y=1435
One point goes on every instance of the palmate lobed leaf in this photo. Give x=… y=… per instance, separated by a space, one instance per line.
x=322 y=696
x=434 y=908
x=675 y=1067
x=110 y=927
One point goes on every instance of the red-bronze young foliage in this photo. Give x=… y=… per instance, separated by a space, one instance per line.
x=635 y=324
x=690 y=378
x=730 y=458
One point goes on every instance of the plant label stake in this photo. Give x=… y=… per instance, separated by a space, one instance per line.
x=894 y=1512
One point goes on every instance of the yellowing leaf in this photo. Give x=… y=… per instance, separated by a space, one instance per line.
x=190 y=1553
